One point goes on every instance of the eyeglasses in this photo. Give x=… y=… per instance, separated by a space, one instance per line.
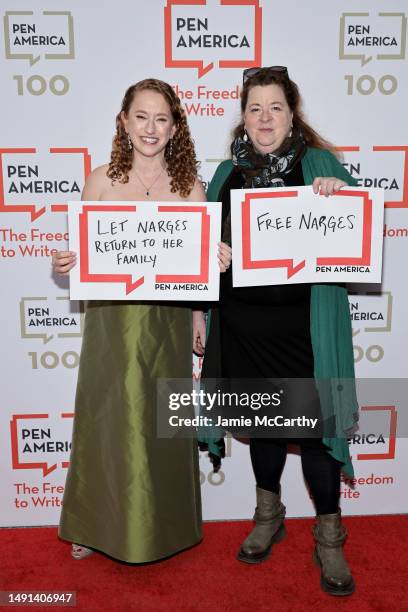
x=250 y=72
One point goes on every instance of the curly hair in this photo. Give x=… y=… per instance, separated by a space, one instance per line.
x=179 y=152
x=265 y=76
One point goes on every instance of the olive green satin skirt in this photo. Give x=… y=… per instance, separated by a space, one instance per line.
x=129 y=494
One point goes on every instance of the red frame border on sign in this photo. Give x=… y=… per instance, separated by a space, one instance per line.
x=365 y=259
x=249 y=264
x=87 y=277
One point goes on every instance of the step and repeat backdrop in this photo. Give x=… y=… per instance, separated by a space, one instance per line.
x=65 y=66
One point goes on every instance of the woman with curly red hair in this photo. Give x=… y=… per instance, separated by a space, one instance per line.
x=128 y=493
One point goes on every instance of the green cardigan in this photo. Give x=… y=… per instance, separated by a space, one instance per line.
x=330 y=324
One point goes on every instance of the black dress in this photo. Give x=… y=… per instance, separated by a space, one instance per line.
x=261 y=335
x=265 y=330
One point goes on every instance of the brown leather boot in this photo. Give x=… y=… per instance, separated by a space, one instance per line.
x=269 y=528
x=329 y=533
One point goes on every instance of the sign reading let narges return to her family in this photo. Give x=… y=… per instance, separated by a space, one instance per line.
x=144 y=250
x=292 y=235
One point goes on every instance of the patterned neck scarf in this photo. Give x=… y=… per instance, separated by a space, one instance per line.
x=267 y=170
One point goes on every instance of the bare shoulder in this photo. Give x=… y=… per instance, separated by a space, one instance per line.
x=96 y=183
x=197 y=194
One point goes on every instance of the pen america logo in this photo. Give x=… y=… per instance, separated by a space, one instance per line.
x=39 y=38
x=373 y=39
x=381 y=36
x=380 y=166
x=45 y=318
x=53 y=318
x=378 y=446
x=33 y=181
x=381 y=444
x=40 y=441
x=33 y=36
x=227 y=35
x=371 y=313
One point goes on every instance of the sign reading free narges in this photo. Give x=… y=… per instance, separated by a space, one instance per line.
x=145 y=250
x=292 y=235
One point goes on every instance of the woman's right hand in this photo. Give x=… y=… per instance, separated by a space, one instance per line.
x=198 y=332
x=63 y=262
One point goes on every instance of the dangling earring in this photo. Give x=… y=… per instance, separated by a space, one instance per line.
x=130 y=143
x=170 y=147
x=290 y=132
x=245 y=136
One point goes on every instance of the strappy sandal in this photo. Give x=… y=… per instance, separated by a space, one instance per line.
x=80 y=552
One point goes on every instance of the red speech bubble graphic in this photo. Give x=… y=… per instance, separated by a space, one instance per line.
x=132 y=284
x=247 y=262
x=87 y=169
x=32 y=208
x=404 y=149
x=392 y=436
x=365 y=258
x=31 y=465
x=404 y=202
x=257 y=61
x=85 y=275
x=202 y=277
x=202 y=69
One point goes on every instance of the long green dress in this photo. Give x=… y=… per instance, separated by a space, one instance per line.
x=129 y=493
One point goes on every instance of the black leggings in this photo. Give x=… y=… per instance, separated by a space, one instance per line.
x=321 y=470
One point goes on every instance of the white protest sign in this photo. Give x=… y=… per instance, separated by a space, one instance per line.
x=291 y=235
x=145 y=250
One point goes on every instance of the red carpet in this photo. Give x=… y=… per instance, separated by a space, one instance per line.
x=209 y=578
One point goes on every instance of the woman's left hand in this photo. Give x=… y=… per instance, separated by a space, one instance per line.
x=224 y=256
x=327 y=185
